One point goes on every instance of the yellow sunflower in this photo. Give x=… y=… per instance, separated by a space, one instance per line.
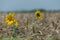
x=9 y=18
x=38 y=14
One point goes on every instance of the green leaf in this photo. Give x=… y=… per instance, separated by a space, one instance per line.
x=5 y=38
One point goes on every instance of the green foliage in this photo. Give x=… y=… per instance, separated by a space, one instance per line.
x=12 y=38
x=30 y=11
x=50 y=37
x=42 y=10
x=1 y=37
x=5 y=38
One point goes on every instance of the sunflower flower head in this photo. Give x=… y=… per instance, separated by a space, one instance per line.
x=38 y=14
x=9 y=18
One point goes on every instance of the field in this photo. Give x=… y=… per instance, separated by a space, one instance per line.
x=30 y=28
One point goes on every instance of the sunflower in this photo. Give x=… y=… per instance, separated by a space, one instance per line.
x=38 y=14
x=10 y=19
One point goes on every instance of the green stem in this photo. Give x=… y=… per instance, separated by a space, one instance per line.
x=27 y=26
x=27 y=23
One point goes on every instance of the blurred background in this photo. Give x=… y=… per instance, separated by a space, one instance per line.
x=28 y=5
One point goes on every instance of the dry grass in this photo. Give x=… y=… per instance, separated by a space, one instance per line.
x=39 y=29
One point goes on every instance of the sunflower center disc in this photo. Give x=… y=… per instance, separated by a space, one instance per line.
x=38 y=14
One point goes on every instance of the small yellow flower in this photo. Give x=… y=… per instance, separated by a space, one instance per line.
x=15 y=22
x=38 y=14
x=9 y=18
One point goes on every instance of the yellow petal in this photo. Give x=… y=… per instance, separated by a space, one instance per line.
x=9 y=22
x=15 y=22
x=11 y=14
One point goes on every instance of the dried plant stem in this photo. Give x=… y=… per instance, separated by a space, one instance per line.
x=27 y=24
x=27 y=30
x=33 y=23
